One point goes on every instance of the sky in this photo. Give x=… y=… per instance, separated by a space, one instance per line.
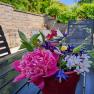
x=68 y=2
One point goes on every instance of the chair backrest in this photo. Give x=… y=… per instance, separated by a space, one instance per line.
x=81 y=32
x=4 y=48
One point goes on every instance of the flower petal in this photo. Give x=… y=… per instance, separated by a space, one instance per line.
x=19 y=77
x=15 y=65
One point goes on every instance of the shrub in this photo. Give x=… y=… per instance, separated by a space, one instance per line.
x=53 y=10
x=65 y=16
x=86 y=11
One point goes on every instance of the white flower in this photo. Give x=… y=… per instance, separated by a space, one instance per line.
x=70 y=63
x=72 y=60
x=82 y=63
x=67 y=57
x=85 y=56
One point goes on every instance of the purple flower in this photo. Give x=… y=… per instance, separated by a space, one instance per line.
x=47 y=45
x=61 y=75
x=70 y=48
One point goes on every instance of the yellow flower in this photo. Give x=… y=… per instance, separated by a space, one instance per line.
x=63 y=48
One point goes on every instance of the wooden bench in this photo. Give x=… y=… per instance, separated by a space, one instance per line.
x=7 y=74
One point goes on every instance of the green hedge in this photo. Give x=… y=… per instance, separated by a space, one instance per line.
x=86 y=11
x=53 y=10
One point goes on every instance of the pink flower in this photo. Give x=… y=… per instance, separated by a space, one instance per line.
x=35 y=65
x=53 y=34
x=15 y=65
x=19 y=77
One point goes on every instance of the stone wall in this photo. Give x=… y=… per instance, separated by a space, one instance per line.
x=12 y=21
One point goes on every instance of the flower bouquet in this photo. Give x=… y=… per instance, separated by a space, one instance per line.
x=52 y=66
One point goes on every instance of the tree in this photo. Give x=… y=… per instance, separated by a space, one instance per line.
x=34 y=6
x=85 y=1
x=86 y=11
x=40 y=6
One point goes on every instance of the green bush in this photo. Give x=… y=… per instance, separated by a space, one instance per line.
x=65 y=16
x=53 y=10
x=86 y=11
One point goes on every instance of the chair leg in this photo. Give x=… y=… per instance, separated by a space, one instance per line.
x=84 y=83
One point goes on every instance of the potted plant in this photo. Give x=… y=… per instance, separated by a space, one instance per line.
x=53 y=67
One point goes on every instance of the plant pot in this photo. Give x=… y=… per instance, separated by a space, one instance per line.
x=52 y=85
x=53 y=17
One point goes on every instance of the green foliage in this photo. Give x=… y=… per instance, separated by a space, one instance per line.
x=43 y=37
x=53 y=10
x=91 y=53
x=63 y=65
x=83 y=10
x=6 y=1
x=21 y=5
x=34 y=39
x=85 y=1
x=31 y=43
x=22 y=36
x=65 y=16
x=25 y=42
x=35 y=6
x=77 y=49
x=86 y=11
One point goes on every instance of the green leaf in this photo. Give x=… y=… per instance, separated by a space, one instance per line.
x=77 y=49
x=34 y=39
x=91 y=53
x=28 y=46
x=22 y=46
x=24 y=41
x=43 y=37
x=22 y=36
x=63 y=63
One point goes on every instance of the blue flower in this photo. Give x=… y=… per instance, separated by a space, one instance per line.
x=61 y=75
x=70 y=48
x=65 y=34
x=47 y=45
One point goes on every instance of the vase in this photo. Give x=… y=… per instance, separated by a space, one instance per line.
x=68 y=86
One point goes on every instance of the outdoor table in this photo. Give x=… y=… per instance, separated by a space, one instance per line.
x=23 y=87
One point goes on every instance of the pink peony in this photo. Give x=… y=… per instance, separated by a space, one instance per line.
x=36 y=65
x=15 y=65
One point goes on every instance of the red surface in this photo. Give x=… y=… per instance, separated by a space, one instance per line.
x=52 y=85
